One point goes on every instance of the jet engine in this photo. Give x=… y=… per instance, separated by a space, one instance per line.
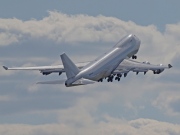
x=45 y=72
x=49 y=72
x=158 y=71
x=146 y=62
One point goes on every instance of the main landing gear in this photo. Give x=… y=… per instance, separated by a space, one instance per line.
x=134 y=57
x=111 y=77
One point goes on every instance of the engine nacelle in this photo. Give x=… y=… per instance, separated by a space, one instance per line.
x=158 y=71
x=46 y=73
x=146 y=62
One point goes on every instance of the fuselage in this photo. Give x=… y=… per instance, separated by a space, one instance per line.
x=104 y=65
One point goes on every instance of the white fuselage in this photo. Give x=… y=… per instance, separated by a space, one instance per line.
x=104 y=65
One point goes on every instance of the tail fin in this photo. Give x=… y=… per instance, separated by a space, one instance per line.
x=70 y=68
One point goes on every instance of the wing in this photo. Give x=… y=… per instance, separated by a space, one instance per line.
x=46 y=70
x=135 y=66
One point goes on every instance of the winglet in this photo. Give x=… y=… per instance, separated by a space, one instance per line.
x=169 y=66
x=6 y=68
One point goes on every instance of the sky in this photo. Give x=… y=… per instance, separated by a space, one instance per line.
x=35 y=33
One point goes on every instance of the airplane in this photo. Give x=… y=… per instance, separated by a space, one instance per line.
x=112 y=64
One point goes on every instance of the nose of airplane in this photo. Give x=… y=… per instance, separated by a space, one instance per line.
x=138 y=41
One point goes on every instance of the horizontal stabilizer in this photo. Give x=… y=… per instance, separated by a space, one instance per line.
x=76 y=83
x=52 y=82
x=82 y=82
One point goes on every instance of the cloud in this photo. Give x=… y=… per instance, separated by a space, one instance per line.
x=62 y=28
x=168 y=102
x=8 y=38
x=154 y=127
x=111 y=126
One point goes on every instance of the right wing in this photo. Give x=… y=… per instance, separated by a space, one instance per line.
x=45 y=70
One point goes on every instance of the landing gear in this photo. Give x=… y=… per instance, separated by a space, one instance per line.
x=100 y=80
x=125 y=74
x=110 y=78
x=117 y=78
x=134 y=57
x=60 y=73
x=119 y=75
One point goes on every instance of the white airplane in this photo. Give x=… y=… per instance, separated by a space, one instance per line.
x=111 y=64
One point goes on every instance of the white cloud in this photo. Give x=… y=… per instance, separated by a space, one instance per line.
x=8 y=38
x=168 y=102
x=60 y=28
x=111 y=126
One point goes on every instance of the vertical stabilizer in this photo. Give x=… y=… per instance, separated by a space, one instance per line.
x=70 y=68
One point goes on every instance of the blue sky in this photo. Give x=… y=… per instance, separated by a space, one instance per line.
x=141 y=12
x=35 y=33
